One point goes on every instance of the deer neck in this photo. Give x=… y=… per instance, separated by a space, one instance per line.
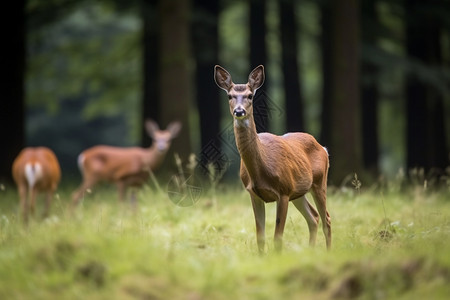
x=154 y=157
x=249 y=145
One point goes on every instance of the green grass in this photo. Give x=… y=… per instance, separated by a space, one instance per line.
x=386 y=245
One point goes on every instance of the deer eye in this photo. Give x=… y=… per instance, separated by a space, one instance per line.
x=250 y=97
x=230 y=97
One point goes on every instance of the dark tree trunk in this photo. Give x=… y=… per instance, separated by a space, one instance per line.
x=258 y=56
x=150 y=100
x=206 y=47
x=174 y=72
x=345 y=104
x=426 y=136
x=369 y=92
x=12 y=120
x=325 y=40
x=291 y=74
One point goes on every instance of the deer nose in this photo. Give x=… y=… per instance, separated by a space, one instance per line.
x=239 y=112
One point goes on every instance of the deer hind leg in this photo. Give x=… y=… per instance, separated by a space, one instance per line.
x=259 y=211
x=320 y=198
x=311 y=216
x=23 y=202
x=48 y=201
x=282 y=207
x=33 y=195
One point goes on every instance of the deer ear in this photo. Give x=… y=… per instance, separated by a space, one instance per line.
x=174 y=128
x=256 y=78
x=151 y=127
x=222 y=78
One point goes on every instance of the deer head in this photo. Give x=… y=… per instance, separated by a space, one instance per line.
x=240 y=95
x=162 y=139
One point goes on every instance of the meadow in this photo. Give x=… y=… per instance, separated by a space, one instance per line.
x=388 y=243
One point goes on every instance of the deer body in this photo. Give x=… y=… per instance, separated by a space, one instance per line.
x=124 y=166
x=276 y=168
x=35 y=170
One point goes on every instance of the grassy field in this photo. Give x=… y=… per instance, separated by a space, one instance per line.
x=386 y=245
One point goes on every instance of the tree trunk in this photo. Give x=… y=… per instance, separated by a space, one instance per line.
x=291 y=74
x=344 y=107
x=12 y=121
x=174 y=73
x=325 y=40
x=206 y=53
x=426 y=137
x=150 y=87
x=369 y=92
x=258 y=56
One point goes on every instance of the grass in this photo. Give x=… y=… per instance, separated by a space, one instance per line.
x=386 y=245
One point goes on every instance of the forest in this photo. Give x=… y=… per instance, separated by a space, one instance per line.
x=369 y=79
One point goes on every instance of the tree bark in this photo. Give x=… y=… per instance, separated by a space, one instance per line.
x=325 y=41
x=150 y=87
x=174 y=72
x=206 y=53
x=258 y=56
x=426 y=136
x=291 y=73
x=345 y=105
x=369 y=92
x=12 y=120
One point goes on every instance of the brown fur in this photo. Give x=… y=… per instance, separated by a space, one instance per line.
x=124 y=166
x=46 y=181
x=277 y=168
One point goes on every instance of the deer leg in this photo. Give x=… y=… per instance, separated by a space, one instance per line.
x=121 y=187
x=320 y=198
x=133 y=198
x=23 y=203
x=48 y=201
x=282 y=207
x=33 y=201
x=311 y=216
x=259 y=211
x=79 y=193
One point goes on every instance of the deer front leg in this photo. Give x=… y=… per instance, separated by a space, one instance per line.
x=121 y=188
x=87 y=184
x=259 y=211
x=282 y=207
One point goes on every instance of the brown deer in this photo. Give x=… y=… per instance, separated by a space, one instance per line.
x=276 y=168
x=124 y=166
x=35 y=170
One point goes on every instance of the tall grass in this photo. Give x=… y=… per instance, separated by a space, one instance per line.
x=386 y=245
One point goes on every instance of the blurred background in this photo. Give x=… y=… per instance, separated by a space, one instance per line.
x=369 y=79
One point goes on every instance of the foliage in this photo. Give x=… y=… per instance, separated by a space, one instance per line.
x=91 y=56
x=386 y=245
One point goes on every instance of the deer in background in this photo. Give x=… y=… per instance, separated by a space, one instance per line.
x=35 y=170
x=276 y=168
x=124 y=166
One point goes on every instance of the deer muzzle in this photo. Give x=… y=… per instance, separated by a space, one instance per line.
x=239 y=113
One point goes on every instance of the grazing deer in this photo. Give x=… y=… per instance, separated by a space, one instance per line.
x=35 y=170
x=125 y=166
x=276 y=168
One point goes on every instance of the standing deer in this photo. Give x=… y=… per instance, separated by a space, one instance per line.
x=35 y=170
x=276 y=168
x=125 y=166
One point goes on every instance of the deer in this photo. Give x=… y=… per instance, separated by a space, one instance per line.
x=35 y=170
x=124 y=166
x=274 y=168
